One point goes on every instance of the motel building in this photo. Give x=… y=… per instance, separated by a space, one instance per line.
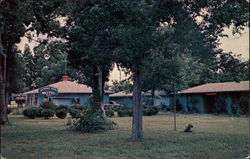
x=64 y=92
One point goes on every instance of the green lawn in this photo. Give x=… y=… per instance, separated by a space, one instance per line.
x=214 y=137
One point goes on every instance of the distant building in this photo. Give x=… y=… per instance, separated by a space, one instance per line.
x=64 y=92
x=126 y=98
x=203 y=98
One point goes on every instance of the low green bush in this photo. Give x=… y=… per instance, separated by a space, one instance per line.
x=31 y=112
x=61 y=113
x=125 y=111
x=91 y=122
x=39 y=112
x=48 y=105
x=150 y=110
x=65 y=107
x=81 y=108
x=48 y=113
x=110 y=113
x=9 y=110
x=75 y=113
x=164 y=107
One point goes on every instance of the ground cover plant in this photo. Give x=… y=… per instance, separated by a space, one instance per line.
x=213 y=137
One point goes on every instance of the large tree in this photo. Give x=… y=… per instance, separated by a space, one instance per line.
x=88 y=34
x=17 y=18
x=141 y=19
x=45 y=65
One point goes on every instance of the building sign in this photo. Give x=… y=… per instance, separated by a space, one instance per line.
x=211 y=94
x=48 y=91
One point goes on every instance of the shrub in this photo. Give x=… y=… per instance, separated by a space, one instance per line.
x=150 y=110
x=110 y=113
x=81 y=108
x=93 y=122
x=75 y=113
x=61 y=113
x=65 y=107
x=48 y=105
x=164 y=107
x=30 y=112
x=125 y=111
x=39 y=112
x=48 y=113
x=9 y=110
x=25 y=112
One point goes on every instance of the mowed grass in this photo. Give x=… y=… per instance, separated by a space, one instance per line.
x=214 y=137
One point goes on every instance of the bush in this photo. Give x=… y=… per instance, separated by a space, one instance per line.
x=61 y=113
x=9 y=110
x=48 y=113
x=110 y=113
x=81 y=108
x=125 y=111
x=150 y=110
x=75 y=113
x=164 y=107
x=31 y=112
x=39 y=112
x=93 y=122
x=48 y=105
x=65 y=107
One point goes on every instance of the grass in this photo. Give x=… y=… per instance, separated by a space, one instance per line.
x=214 y=137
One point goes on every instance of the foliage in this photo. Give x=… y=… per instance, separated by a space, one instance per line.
x=220 y=104
x=39 y=112
x=123 y=85
x=94 y=51
x=61 y=113
x=92 y=122
x=82 y=108
x=125 y=111
x=229 y=67
x=48 y=113
x=9 y=110
x=110 y=113
x=164 y=107
x=149 y=110
x=48 y=105
x=31 y=112
x=45 y=65
x=63 y=107
x=75 y=113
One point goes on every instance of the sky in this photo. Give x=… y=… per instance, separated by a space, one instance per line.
x=238 y=44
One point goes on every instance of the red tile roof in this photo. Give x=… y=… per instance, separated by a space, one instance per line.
x=67 y=87
x=218 y=87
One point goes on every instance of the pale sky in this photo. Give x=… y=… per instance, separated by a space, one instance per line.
x=238 y=44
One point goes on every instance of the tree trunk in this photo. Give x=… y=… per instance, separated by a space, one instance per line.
x=137 y=108
x=3 y=104
x=100 y=81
